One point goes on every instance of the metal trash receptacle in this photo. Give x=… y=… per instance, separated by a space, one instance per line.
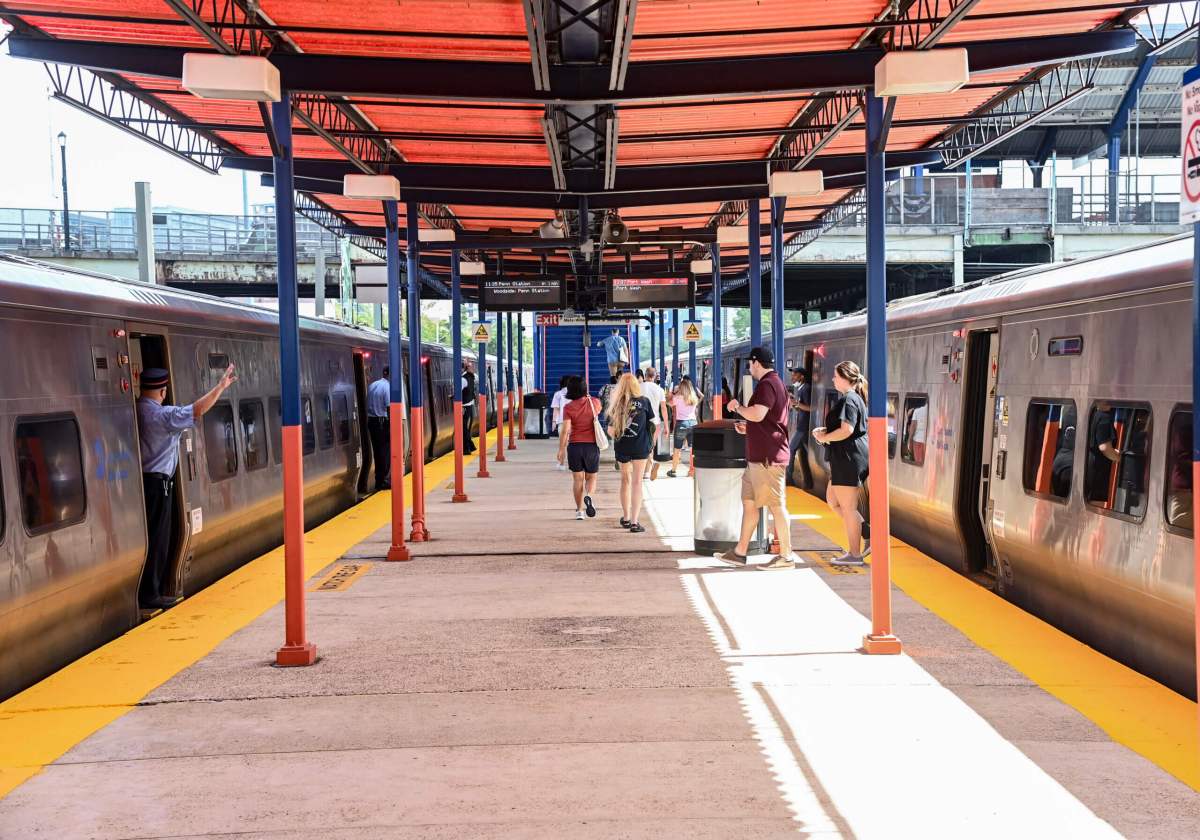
x=533 y=415
x=719 y=454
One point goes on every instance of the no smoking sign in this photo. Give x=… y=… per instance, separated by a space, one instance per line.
x=1189 y=148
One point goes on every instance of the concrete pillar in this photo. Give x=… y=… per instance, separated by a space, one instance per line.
x=319 y=280
x=346 y=273
x=1058 y=247
x=958 y=259
x=377 y=316
x=144 y=224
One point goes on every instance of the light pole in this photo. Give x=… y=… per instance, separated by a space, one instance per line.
x=62 y=147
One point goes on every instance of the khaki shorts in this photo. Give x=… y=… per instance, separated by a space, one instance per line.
x=763 y=485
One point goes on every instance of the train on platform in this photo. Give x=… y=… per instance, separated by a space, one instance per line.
x=72 y=513
x=1040 y=441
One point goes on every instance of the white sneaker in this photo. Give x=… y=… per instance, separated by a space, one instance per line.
x=579 y=516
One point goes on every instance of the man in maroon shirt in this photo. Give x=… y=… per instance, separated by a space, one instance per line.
x=764 y=423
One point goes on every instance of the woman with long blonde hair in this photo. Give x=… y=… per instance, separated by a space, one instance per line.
x=845 y=433
x=683 y=402
x=629 y=425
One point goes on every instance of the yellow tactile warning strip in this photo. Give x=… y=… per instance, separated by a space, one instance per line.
x=340 y=578
x=822 y=558
x=44 y=721
x=1134 y=710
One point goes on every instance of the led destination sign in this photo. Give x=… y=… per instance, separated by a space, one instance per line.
x=520 y=294
x=638 y=292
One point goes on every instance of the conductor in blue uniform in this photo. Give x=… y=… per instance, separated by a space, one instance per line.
x=159 y=429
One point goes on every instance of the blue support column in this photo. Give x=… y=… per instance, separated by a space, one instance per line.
x=778 y=209
x=419 y=532
x=512 y=343
x=755 y=219
x=1114 y=179
x=396 y=399
x=460 y=434
x=653 y=335
x=662 y=345
x=675 y=347
x=635 y=345
x=716 y=329
x=881 y=639
x=692 y=352
x=1188 y=78
x=537 y=355
x=296 y=649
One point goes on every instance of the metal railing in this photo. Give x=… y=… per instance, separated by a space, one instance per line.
x=1140 y=199
x=176 y=235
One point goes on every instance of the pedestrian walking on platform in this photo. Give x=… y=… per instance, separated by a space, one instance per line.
x=159 y=429
x=801 y=400
x=578 y=445
x=845 y=433
x=556 y=407
x=616 y=351
x=764 y=423
x=684 y=401
x=653 y=392
x=630 y=428
x=379 y=397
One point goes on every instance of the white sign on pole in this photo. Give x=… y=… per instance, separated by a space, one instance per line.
x=370 y=283
x=1189 y=148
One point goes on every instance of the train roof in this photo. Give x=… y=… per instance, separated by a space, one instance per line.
x=1139 y=268
x=47 y=286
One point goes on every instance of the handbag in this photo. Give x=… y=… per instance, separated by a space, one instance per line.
x=597 y=428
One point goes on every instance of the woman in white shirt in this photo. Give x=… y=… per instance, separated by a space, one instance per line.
x=557 y=403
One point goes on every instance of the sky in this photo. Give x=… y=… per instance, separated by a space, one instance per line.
x=103 y=162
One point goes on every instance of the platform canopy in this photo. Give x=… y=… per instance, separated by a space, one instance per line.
x=498 y=116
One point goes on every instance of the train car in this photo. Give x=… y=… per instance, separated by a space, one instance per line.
x=72 y=514
x=1040 y=441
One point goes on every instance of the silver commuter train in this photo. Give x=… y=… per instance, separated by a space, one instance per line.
x=72 y=516
x=1005 y=392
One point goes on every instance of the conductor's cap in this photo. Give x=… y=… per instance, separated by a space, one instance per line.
x=155 y=378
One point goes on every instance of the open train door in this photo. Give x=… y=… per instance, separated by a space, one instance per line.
x=366 y=456
x=148 y=348
x=974 y=502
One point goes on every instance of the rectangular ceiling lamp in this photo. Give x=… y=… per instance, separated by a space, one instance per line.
x=921 y=71
x=435 y=234
x=248 y=77
x=467 y=268
x=730 y=235
x=701 y=266
x=804 y=182
x=374 y=187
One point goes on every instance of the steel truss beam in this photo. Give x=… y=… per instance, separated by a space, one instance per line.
x=1162 y=27
x=921 y=23
x=322 y=214
x=1051 y=91
x=110 y=99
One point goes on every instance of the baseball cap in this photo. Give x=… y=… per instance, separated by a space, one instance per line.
x=763 y=356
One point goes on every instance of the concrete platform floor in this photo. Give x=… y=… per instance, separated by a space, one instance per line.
x=530 y=676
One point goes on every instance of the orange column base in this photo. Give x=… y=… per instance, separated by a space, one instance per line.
x=296 y=649
x=888 y=644
x=398 y=552
x=500 y=427
x=419 y=532
x=483 y=470
x=460 y=487
x=512 y=419
x=521 y=413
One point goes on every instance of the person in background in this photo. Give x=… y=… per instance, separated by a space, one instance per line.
x=468 y=404
x=845 y=433
x=726 y=394
x=577 y=444
x=159 y=429
x=379 y=397
x=616 y=351
x=684 y=401
x=801 y=400
x=605 y=398
x=764 y=423
x=1179 y=475
x=556 y=406
x=629 y=426
x=653 y=392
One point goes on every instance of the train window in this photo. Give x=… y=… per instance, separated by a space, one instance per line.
x=341 y=414
x=1049 y=448
x=1177 y=507
x=1118 y=465
x=254 y=433
x=220 y=442
x=325 y=420
x=916 y=429
x=218 y=361
x=50 y=473
x=893 y=400
x=309 y=431
x=276 y=415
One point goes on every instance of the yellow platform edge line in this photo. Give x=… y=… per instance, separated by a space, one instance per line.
x=1134 y=710
x=46 y=720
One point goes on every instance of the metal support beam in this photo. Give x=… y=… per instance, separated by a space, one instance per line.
x=416 y=377
x=398 y=551
x=715 y=385
x=778 y=209
x=1038 y=163
x=755 y=272
x=1114 y=177
x=296 y=649
x=880 y=639
x=456 y=372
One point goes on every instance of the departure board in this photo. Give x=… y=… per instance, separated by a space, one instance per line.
x=522 y=294
x=662 y=291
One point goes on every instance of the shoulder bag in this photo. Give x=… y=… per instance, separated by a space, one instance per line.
x=597 y=428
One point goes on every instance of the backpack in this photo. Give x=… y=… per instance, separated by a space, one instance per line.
x=468 y=393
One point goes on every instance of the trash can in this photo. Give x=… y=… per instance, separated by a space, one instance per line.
x=719 y=454
x=534 y=415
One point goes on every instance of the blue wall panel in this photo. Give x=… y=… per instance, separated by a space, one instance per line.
x=564 y=357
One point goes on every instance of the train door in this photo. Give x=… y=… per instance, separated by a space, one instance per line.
x=148 y=349
x=973 y=503
x=364 y=434
x=431 y=408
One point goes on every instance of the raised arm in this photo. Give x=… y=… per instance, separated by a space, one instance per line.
x=202 y=405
